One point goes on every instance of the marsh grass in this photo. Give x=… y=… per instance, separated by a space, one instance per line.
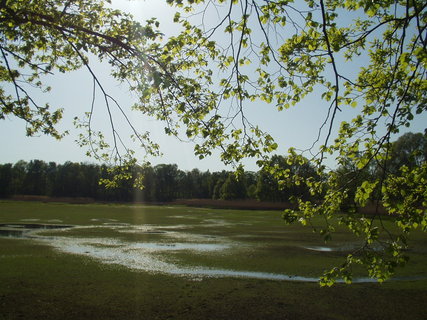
x=39 y=282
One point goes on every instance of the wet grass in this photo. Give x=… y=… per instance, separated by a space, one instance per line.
x=39 y=282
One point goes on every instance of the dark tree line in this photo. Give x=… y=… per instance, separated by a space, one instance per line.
x=166 y=182
x=163 y=182
x=408 y=152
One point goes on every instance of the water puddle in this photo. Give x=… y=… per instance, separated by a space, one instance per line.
x=321 y=249
x=26 y=230
x=341 y=248
x=33 y=226
x=202 y=247
x=183 y=217
x=154 y=232
x=140 y=257
x=152 y=229
x=12 y=233
x=116 y=224
x=195 y=238
x=152 y=256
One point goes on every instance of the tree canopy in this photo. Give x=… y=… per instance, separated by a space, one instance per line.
x=368 y=55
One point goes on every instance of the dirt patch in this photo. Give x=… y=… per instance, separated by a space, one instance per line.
x=77 y=200
x=248 y=204
x=234 y=204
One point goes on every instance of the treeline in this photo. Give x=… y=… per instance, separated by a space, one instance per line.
x=162 y=183
x=166 y=182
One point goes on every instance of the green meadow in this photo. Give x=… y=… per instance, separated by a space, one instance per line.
x=107 y=261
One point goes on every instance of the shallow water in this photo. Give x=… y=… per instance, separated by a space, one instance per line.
x=22 y=230
x=152 y=256
x=158 y=247
x=12 y=233
x=33 y=226
x=337 y=248
x=321 y=249
x=141 y=256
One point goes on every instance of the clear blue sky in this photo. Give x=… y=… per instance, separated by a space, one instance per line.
x=296 y=127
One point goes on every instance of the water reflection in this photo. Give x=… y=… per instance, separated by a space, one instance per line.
x=150 y=256
x=204 y=247
x=26 y=230
x=141 y=256
x=320 y=249
x=33 y=226
x=12 y=233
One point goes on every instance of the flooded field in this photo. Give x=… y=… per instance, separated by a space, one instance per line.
x=196 y=261
x=191 y=243
x=148 y=256
x=26 y=230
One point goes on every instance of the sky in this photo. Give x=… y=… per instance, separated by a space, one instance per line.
x=296 y=127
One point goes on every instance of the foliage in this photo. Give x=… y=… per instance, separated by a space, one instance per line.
x=369 y=55
x=233 y=187
x=162 y=183
x=385 y=41
x=282 y=179
x=409 y=150
x=41 y=38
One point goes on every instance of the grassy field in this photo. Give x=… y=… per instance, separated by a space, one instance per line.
x=159 y=262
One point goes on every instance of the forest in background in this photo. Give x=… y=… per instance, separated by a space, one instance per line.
x=162 y=183
x=166 y=182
